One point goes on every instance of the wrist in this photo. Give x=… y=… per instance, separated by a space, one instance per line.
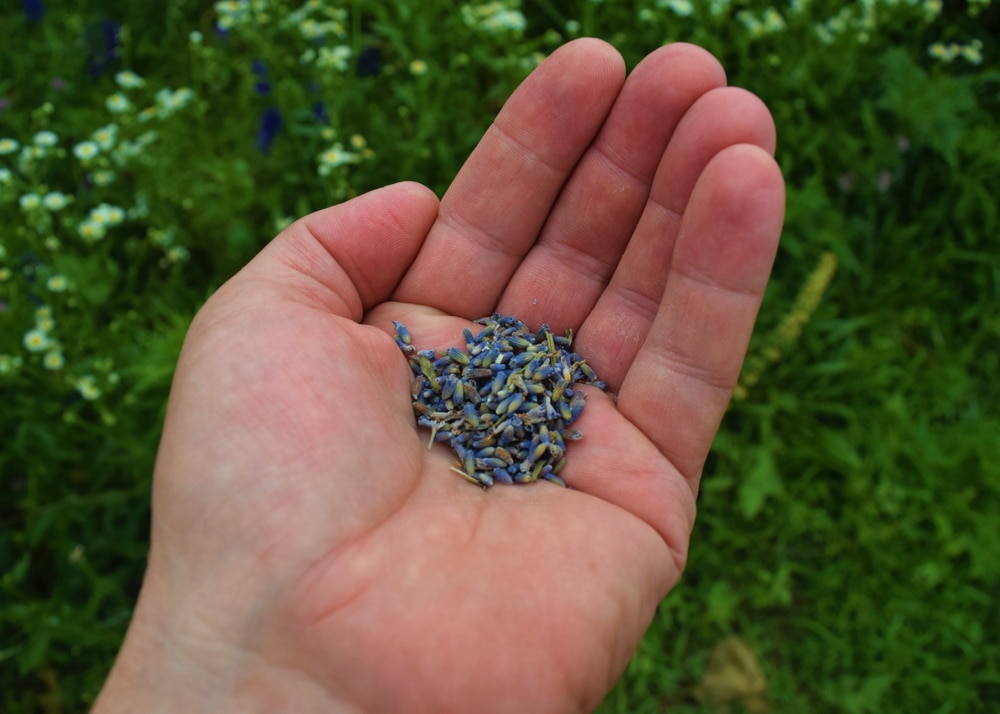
x=150 y=675
x=170 y=666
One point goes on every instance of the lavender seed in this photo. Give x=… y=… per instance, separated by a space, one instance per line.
x=503 y=403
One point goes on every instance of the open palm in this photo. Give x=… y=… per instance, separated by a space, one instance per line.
x=309 y=552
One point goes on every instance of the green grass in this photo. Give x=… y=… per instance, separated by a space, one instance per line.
x=849 y=526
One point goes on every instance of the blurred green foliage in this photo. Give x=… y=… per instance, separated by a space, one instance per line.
x=849 y=531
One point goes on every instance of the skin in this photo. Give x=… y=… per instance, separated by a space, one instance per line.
x=310 y=553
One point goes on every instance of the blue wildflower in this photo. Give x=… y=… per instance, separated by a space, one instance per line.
x=102 y=45
x=34 y=10
x=261 y=86
x=320 y=113
x=270 y=125
x=369 y=62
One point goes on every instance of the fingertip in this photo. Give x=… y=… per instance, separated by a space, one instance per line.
x=722 y=117
x=688 y=61
x=594 y=48
x=409 y=203
x=752 y=170
x=357 y=250
x=565 y=98
x=410 y=190
x=405 y=200
x=734 y=219
x=755 y=117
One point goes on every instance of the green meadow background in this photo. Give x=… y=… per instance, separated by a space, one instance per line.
x=847 y=553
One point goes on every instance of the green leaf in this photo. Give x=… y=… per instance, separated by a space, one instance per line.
x=94 y=276
x=762 y=482
x=934 y=108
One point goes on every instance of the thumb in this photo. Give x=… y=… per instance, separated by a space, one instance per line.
x=346 y=258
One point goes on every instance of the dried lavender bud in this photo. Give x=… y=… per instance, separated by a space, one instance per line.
x=505 y=403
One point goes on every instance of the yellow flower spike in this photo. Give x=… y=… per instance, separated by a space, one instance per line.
x=790 y=327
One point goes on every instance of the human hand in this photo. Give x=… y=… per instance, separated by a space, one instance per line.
x=309 y=553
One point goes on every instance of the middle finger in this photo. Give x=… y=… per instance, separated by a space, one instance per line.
x=585 y=235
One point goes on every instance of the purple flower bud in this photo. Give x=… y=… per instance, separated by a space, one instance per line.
x=369 y=62
x=34 y=10
x=102 y=45
x=270 y=125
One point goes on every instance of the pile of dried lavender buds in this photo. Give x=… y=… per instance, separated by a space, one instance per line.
x=505 y=403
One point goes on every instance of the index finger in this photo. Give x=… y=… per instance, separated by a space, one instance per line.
x=494 y=210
